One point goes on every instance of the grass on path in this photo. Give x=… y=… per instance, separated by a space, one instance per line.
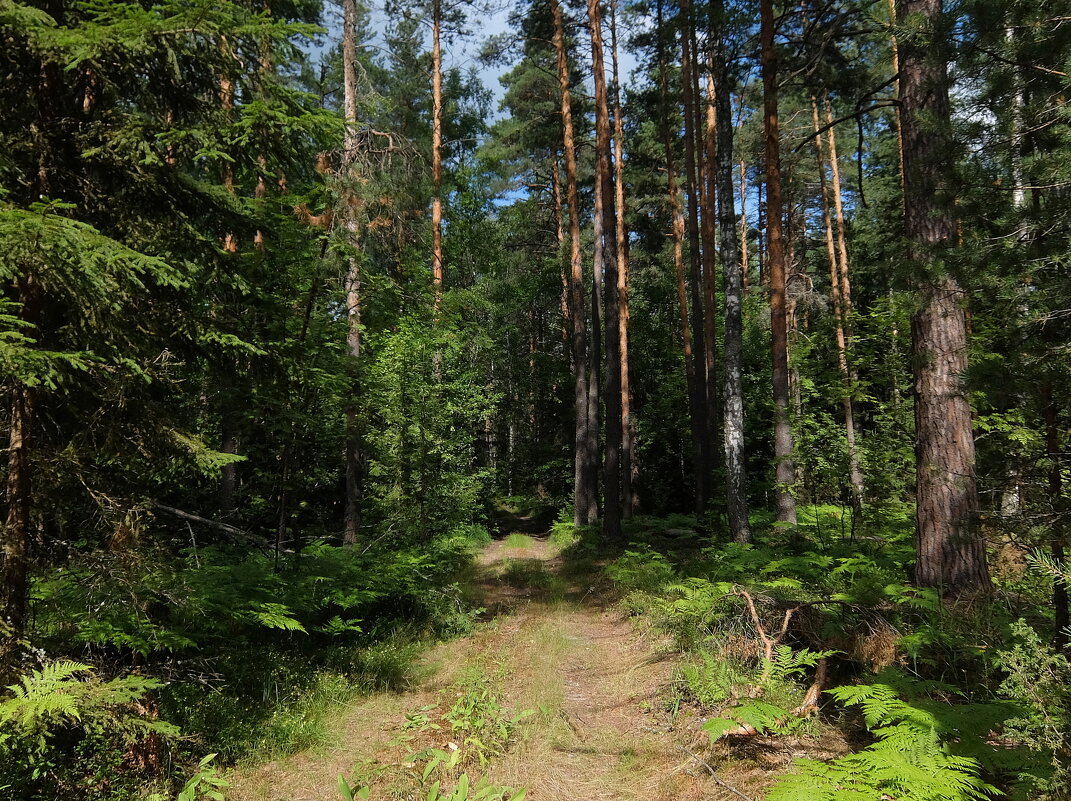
x=555 y=692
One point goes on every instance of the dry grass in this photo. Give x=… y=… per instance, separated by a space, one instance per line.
x=596 y=683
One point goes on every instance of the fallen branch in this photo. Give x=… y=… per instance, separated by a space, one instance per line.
x=814 y=692
x=713 y=774
x=235 y=534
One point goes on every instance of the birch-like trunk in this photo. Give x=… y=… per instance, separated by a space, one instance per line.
x=733 y=268
x=436 y=153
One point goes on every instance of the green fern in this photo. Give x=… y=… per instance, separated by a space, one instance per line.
x=48 y=693
x=58 y=696
x=926 y=750
x=777 y=684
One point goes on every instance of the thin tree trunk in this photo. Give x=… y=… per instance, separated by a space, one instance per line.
x=1061 y=618
x=745 y=268
x=559 y=227
x=950 y=550
x=585 y=506
x=836 y=293
x=733 y=274
x=895 y=48
x=760 y=221
x=228 y=481
x=15 y=537
x=16 y=534
x=226 y=99
x=606 y=243
x=710 y=268
x=436 y=153
x=842 y=237
x=352 y=281
x=699 y=403
x=785 y=468
x=677 y=213
x=629 y=456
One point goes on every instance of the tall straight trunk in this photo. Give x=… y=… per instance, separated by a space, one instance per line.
x=677 y=213
x=894 y=47
x=785 y=468
x=15 y=537
x=760 y=214
x=950 y=550
x=16 y=533
x=745 y=269
x=710 y=270
x=584 y=476
x=629 y=457
x=699 y=403
x=838 y=207
x=793 y=277
x=228 y=480
x=354 y=456
x=260 y=192
x=607 y=233
x=733 y=277
x=226 y=100
x=1018 y=104
x=1061 y=617
x=559 y=228
x=837 y=294
x=436 y=153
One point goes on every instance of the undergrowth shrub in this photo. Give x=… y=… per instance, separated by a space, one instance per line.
x=775 y=696
x=481 y=727
x=927 y=748
x=1038 y=680
x=832 y=604
x=642 y=570
x=476 y=727
x=256 y=652
x=64 y=729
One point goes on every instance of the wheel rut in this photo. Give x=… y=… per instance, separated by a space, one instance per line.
x=592 y=681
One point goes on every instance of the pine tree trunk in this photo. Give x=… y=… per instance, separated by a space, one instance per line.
x=605 y=243
x=785 y=468
x=733 y=276
x=710 y=279
x=895 y=53
x=436 y=153
x=629 y=455
x=677 y=213
x=352 y=282
x=585 y=507
x=699 y=402
x=15 y=537
x=559 y=228
x=226 y=100
x=951 y=552
x=837 y=296
x=16 y=534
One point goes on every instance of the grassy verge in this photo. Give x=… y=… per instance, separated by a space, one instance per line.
x=812 y=641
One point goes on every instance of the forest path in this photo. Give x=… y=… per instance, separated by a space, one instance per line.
x=592 y=680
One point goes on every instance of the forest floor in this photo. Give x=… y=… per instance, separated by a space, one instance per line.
x=591 y=682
